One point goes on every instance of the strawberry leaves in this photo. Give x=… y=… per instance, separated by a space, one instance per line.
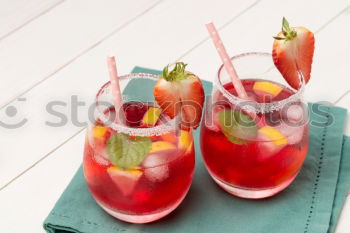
x=177 y=73
x=288 y=32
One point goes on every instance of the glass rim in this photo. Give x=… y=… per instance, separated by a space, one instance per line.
x=252 y=106
x=167 y=127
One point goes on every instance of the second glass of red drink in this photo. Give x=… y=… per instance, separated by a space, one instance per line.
x=254 y=148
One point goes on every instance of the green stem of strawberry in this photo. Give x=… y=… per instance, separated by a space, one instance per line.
x=288 y=33
x=177 y=73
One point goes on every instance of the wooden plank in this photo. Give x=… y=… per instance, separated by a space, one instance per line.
x=45 y=46
x=343 y=225
x=136 y=44
x=345 y=103
x=17 y=13
x=330 y=62
x=25 y=204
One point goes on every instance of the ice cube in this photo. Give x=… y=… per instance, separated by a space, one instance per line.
x=97 y=139
x=156 y=165
x=273 y=118
x=99 y=152
x=294 y=133
x=266 y=148
x=270 y=141
x=294 y=113
x=101 y=158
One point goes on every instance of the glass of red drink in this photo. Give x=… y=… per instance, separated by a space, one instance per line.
x=254 y=148
x=140 y=169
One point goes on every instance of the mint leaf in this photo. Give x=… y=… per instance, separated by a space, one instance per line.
x=126 y=152
x=237 y=126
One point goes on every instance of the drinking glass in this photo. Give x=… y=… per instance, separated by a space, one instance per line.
x=137 y=173
x=254 y=148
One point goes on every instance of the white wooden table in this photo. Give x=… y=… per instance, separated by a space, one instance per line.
x=53 y=49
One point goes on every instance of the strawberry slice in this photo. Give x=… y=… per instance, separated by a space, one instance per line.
x=180 y=91
x=293 y=48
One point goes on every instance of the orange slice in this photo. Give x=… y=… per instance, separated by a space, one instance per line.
x=151 y=116
x=266 y=88
x=169 y=137
x=185 y=140
x=99 y=131
x=161 y=145
x=126 y=180
x=274 y=135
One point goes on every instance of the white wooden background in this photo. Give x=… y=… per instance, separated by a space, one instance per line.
x=53 y=49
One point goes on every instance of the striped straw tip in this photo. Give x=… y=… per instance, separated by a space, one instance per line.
x=110 y=57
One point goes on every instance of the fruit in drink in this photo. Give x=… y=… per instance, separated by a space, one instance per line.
x=139 y=175
x=161 y=146
x=263 y=89
x=124 y=179
x=293 y=50
x=255 y=158
x=180 y=91
x=151 y=116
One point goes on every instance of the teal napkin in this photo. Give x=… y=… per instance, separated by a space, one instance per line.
x=311 y=204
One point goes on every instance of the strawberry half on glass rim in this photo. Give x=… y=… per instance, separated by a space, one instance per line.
x=293 y=50
x=180 y=92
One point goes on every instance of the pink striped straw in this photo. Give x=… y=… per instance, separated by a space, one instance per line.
x=113 y=76
x=226 y=61
x=229 y=67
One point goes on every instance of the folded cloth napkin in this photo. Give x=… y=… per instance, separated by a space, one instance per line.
x=311 y=204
